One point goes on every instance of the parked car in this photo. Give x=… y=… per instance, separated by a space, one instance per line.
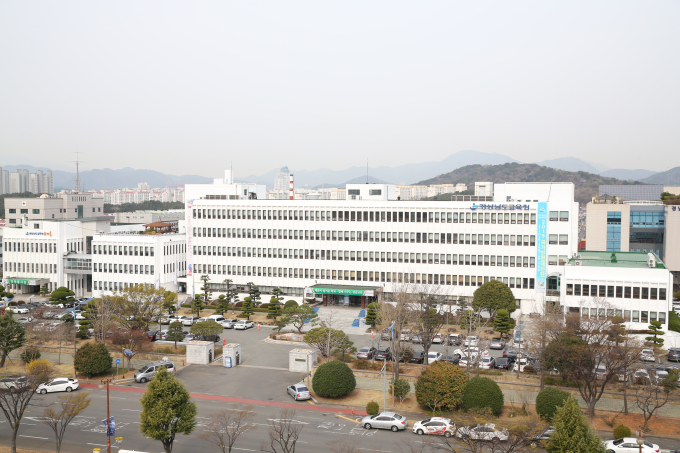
x=464 y=359
x=503 y=363
x=486 y=431
x=21 y=311
x=647 y=355
x=416 y=339
x=366 y=352
x=188 y=338
x=147 y=372
x=216 y=318
x=497 y=343
x=79 y=316
x=455 y=339
x=58 y=385
x=299 y=392
x=189 y=321
x=228 y=323
x=453 y=359
x=243 y=324
x=383 y=353
x=25 y=320
x=629 y=444
x=600 y=372
x=386 y=335
x=673 y=355
x=439 y=426
x=487 y=363
x=418 y=357
x=438 y=338
x=13 y=383
x=405 y=335
x=543 y=437
x=472 y=340
x=433 y=356
x=153 y=334
x=385 y=420
x=510 y=354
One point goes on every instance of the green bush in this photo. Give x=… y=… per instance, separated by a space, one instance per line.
x=673 y=321
x=30 y=354
x=290 y=303
x=482 y=392
x=92 y=359
x=622 y=431
x=559 y=382
x=333 y=379
x=548 y=401
x=372 y=408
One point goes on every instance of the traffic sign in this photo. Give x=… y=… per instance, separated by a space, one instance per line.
x=117 y=361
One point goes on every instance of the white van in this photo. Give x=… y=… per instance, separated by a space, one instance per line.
x=216 y=318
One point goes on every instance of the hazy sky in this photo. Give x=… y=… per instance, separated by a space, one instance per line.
x=185 y=87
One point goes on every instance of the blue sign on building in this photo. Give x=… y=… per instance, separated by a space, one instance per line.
x=541 y=246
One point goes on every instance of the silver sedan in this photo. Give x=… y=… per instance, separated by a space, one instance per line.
x=385 y=420
x=299 y=392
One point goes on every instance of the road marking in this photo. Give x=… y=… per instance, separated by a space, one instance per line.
x=33 y=437
x=371 y=449
x=310 y=402
x=347 y=418
x=132 y=410
x=244 y=449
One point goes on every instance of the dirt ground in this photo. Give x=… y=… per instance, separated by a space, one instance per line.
x=20 y=450
x=359 y=398
x=65 y=369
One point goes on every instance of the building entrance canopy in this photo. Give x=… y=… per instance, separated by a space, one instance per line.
x=343 y=290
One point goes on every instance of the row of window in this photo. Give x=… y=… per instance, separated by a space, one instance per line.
x=122 y=250
x=123 y=268
x=37 y=211
x=33 y=268
x=367 y=276
x=627 y=315
x=373 y=216
x=378 y=236
x=22 y=246
x=619 y=292
x=384 y=257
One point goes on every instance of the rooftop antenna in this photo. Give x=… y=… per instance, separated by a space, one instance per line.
x=77 y=162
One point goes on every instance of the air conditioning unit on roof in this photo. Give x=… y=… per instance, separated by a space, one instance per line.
x=579 y=263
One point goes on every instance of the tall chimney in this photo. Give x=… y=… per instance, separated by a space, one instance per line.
x=291 y=193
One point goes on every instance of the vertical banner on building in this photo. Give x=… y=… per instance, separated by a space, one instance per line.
x=190 y=257
x=541 y=246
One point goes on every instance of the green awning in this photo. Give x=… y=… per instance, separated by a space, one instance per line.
x=343 y=290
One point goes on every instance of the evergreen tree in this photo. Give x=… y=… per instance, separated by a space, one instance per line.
x=207 y=292
x=573 y=433
x=278 y=293
x=655 y=332
x=372 y=314
x=247 y=308
x=44 y=291
x=493 y=296
x=501 y=323
x=167 y=410
x=197 y=306
x=222 y=304
x=254 y=293
x=175 y=332
x=274 y=307
x=12 y=336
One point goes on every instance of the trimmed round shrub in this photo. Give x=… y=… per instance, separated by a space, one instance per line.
x=9 y=295
x=290 y=303
x=481 y=393
x=333 y=379
x=622 y=431
x=441 y=387
x=30 y=354
x=372 y=408
x=92 y=359
x=548 y=401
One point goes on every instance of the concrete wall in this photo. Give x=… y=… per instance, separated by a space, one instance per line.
x=596 y=225
x=672 y=238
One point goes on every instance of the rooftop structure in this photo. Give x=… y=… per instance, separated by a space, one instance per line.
x=617 y=259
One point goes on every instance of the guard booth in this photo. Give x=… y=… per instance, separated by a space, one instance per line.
x=200 y=352
x=346 y=295
x=231 y=354
x=302 y=360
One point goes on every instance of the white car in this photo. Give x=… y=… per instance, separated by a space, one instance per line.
x=437 y=339
x=464 y=360
x=21 y=311
x=647 y=355
x=629 y=444
x=486 y=363
x=58 y=385
x=243 y=324
x=227 y=323
x=79 y=316
x=436 y=425
x=433 y=356
x=471 y=341
x=189 y=321
x=487 y=432
x=25 y=320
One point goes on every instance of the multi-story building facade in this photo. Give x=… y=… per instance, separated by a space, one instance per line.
x=23 y=181
x=63 y=206
x=123 y=259
x=382 y=243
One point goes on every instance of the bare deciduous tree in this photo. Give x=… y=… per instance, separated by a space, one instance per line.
x=134 y=341
x=226 y=426
x=649 y=398
x=69 y=406
x=284 y=432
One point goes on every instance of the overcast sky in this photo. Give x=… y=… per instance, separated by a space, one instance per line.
x=185 y=87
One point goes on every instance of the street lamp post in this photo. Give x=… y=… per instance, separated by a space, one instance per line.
x=106 y=382
x=640 y=441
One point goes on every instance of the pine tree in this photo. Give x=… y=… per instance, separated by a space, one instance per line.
x=274 y=307
x=655 y=332
x=372 y=314
x=222 y=304
x=254 y=293
x=207 y=292
x=247 y=307
x=198 y=305
x=573 y=433
x=501 y=323
x=44 y=291
x=175 y=332
x=167 y=410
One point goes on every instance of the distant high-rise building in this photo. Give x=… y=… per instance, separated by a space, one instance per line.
x=282 y=180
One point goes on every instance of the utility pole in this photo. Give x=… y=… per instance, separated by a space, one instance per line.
x=106 y=382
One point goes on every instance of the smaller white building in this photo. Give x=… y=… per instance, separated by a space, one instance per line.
x=124 y=259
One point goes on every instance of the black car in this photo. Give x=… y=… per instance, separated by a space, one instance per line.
x=154 y=335
x=383 y=354
x=674 y=355
x=386 y=335
x=510 y=354
x=503 y=363
x=453 y=359
x=418 y=357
